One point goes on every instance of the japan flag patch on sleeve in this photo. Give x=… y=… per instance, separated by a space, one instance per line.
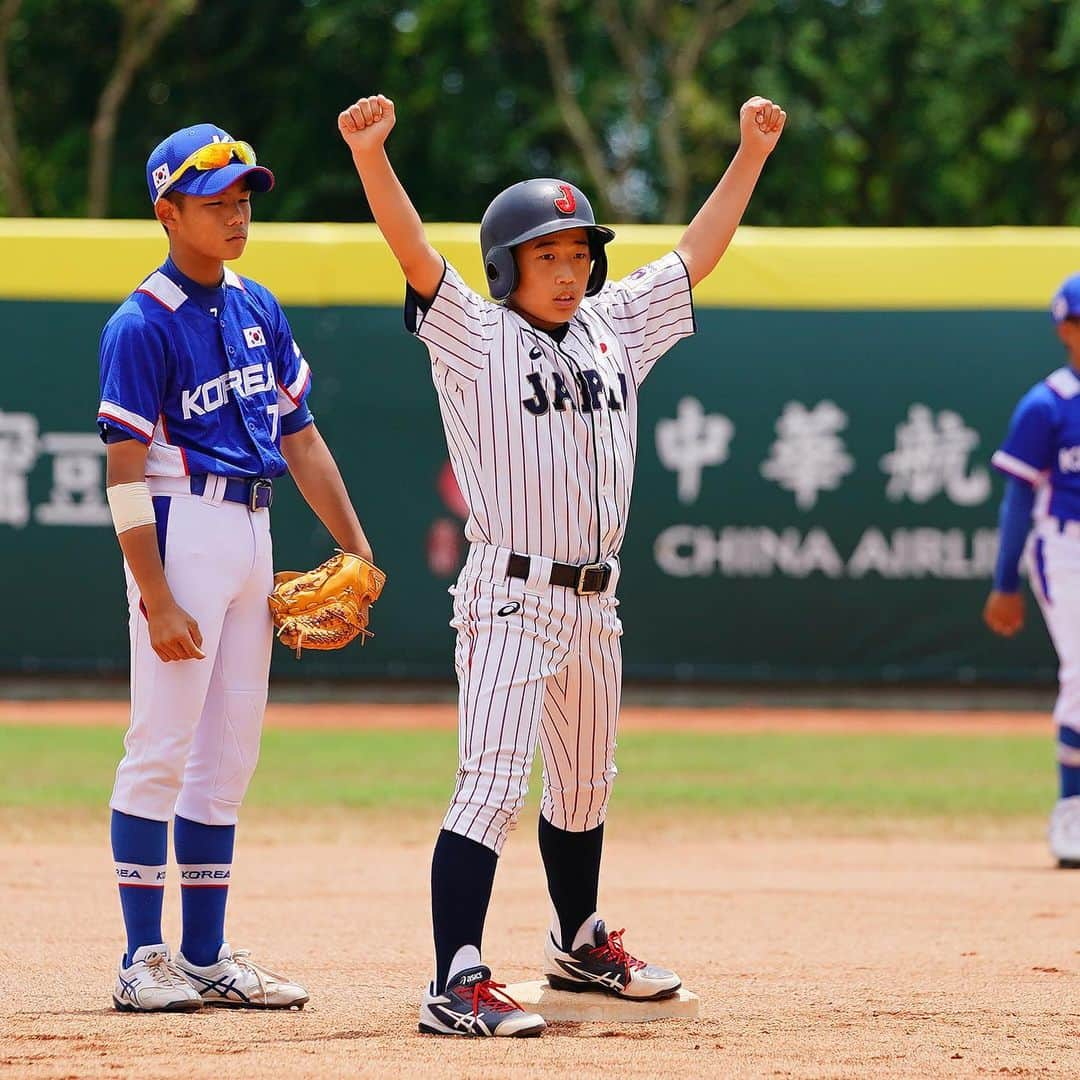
x=254 y=337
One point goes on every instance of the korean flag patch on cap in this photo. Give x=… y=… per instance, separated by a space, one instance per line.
x=161 y=175
x=254 y=337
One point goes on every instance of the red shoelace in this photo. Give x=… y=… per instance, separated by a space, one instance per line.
x=612 y=950
x=489 y=994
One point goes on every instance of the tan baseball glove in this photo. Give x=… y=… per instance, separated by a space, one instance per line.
x=327 y=607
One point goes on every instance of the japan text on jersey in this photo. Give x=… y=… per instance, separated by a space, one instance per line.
x=541 y=428
x=208 y=379
x=1042 y=446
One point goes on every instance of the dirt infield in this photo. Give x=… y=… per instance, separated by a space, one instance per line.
x=816 y=956
x=324 y=716
x=813 y=958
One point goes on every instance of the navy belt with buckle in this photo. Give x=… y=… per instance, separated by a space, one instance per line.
x=257 y=494
x=587 y=580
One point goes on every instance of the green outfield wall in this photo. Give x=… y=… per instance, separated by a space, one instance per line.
x=813 y=499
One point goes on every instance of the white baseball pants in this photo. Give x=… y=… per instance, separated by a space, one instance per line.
x=534 y=661
x=193 y=742
x=1054 y=573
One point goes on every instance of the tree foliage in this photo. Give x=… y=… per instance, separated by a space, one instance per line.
x=901 y=112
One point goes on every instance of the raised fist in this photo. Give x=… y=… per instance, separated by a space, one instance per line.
x=760 y=123
x=365 y=125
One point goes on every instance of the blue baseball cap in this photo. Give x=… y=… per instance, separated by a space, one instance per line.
x=1066 y=302
x=172 y=152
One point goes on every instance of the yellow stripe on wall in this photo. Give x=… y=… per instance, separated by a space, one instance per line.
x=329 y=264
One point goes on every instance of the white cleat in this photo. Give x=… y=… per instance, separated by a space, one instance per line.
x=475 y=1006
x=606 y=967
x=1064 y=833
x=152 y=983
x=236 y=982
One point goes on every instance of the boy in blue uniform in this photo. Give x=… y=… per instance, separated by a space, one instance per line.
x=203 y=404
x=1041 y=458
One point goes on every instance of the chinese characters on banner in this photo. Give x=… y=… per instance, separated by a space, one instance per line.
x=77 y=492
x=808 y=459
x=930 y=457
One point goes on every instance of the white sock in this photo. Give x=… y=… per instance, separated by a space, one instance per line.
x=586 y=934
x=466 y=957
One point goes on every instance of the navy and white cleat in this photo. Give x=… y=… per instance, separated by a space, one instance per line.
x=152 y=983
x=475 y=1006
x=234 y=981
x=606 y=967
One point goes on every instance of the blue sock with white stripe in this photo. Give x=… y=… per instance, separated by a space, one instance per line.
x=1068 y=741
x=204 y=854
x=139 y=848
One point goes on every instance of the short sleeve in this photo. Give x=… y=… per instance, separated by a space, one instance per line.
x=457 y=326
x=650 y=310
x=132 y=370
x=1028 y=450
x=293 y=376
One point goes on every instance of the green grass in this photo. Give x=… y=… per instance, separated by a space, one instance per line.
x=852 y=777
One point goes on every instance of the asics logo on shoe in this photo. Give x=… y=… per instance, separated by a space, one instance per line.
x=217 y=986
x=469 y=1023
x=474 y=977
x=612 y=979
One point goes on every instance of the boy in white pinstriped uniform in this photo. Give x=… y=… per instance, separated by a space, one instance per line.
x=538 y=394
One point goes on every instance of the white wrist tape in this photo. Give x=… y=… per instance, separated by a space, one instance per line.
x=131 y=505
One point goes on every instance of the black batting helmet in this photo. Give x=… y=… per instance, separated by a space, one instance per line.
x=535 y=208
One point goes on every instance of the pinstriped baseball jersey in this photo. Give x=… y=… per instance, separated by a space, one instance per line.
x=542 y=431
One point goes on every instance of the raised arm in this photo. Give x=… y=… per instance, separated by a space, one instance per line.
x=708 y=235
x=364 y=127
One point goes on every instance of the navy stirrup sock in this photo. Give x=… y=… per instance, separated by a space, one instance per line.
x=572 y=864
x=462 y=876
x=204 y=854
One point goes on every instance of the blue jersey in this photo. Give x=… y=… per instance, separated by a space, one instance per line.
x=1042 y=446
x=208 y=379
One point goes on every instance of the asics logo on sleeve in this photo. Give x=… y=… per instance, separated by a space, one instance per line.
x=243 y=382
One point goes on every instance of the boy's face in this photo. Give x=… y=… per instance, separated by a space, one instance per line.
x=211 y=226
x=553 y=271
x=1069 y=332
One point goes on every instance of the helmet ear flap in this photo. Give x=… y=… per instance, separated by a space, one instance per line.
x=501 y=270
x=598 y=274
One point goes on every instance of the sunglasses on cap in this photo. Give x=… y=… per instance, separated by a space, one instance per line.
x=213 y=155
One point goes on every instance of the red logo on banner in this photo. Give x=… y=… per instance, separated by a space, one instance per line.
x=567 y=204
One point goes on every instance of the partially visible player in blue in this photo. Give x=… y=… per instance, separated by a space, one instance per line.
x=203 y=404
x=1041 y=457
